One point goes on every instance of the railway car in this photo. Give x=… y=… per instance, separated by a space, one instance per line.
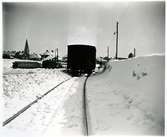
x=81 y=59
x=26 y=64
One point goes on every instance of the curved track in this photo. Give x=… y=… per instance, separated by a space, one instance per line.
x=84 y=105
x=85 y=109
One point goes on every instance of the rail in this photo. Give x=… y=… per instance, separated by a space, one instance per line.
x=85 y=108
x=30 y=104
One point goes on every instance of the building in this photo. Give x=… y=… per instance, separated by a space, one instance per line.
x=26 y=54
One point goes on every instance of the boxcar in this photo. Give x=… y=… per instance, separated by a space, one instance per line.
x=26 y=64
x=81 y=59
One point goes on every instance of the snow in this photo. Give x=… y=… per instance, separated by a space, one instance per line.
x=72 y=113
x=22 y=86
x=128 y=98
x=58 y=113
x=50 y=116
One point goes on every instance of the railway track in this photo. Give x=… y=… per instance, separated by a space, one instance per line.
x=84 y=106
x=30 y=104
x=85 y=115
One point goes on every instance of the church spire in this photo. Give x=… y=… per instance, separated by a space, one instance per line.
x=26 y=50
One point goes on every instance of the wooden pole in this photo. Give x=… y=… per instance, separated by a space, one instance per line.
x=108 y=52
x=116 y=54
x=134 y=52
x=57 y=54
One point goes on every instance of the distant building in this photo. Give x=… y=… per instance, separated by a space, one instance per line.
x=26 y=54
x=45 y=54
x=9 y=54
x=34 y=56
x=131 y=55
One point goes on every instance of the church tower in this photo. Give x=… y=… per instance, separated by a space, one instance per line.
x=26 y=51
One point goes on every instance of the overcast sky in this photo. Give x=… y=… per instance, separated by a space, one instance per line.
x=55 y=25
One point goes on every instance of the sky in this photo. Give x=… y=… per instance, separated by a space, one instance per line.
x=55 y=25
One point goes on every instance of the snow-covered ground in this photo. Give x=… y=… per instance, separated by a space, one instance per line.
x=22 y=86
x=58 y=113
x=128 y=98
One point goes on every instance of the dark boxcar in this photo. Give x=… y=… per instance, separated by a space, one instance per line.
x=26 y=64
x=81 y=58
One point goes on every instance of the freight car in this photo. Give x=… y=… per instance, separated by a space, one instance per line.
x=81 y=59
x=26 y=64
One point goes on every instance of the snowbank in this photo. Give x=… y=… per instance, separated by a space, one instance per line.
x=128 y=98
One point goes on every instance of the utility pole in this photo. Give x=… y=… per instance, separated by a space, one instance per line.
x=108 y=52
x=134 y=52
x=57 y=54
x=116 y=54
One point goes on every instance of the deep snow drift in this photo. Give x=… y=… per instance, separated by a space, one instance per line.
x=128 y=98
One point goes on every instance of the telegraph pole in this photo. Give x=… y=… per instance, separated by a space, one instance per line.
x=57 y=54
x=108 y=52
x=116 y=54
x=134 y=52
